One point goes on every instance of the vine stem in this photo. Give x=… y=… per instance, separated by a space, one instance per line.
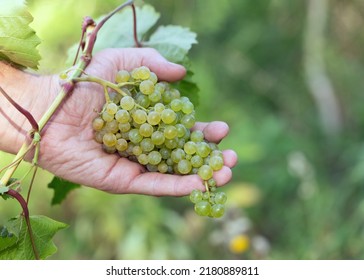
x=24 y=206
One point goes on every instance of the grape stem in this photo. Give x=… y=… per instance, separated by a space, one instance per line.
x=24 y=206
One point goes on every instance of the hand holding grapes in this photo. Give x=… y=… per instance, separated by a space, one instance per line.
x=68 y=148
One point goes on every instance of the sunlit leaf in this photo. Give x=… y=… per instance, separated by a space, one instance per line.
x=18 y=40
x=19 y=246
x=173 y=42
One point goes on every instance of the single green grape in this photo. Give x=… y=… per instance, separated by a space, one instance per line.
x=109 y=139
x=112 y=108
x=168 y=116
x=220 y=198
x=203 y=149
x=122 y=76
x=190 y=147
x=205 y=172
x=197 y=136
x=134 y=136
x=176 y=105
x=122 y=116
x=158 y=138
x=127 y=103
x=121 y=145
x=188 y=121
x=203 y=208
x=217 y=210
x=146 y=87
x=196 y=196
x=98 y=124
x=141 y=73
x=139 y=116
x=147 y=145
x=146 y=130
x=184 y=166
x=170 y=132
x=154 y=158
x=216 y=163
x=187 y=107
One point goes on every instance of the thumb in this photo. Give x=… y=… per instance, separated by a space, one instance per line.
x=130 y=58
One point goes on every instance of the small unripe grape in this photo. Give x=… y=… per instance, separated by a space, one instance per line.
x=109 y=139
x=158 y=138
x=111 y=108
x=147 y=145
x=159 y=107
x=153 y=77
x=122 y=76
x=140 y=116
x=143 y=159
x=177 y=155
x=146 y=130
x=187 y=107
x=153 y=118
x=205 y=172
x=217 y=210
x=134 y=136
x=146 y=87
x=107 y=117
x=168 y=116
x=98 y=124
x=197 y=136
x=162 y=167
x=141 y=73
x=176 y=105
x=127 y=103
x=184 y=166
x=170 y=132
x=122 y=116
x=196 y=161
x=154 y=157
x=220 y=198
x=124 y=127
x=196 y=196
x=188 y=121
x=203 y=208
x=121 y=145
x=203 y=149
x=190 y=147
x=155 y=96
x=216 y=163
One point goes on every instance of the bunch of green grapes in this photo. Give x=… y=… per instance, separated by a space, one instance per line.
x=150 y=123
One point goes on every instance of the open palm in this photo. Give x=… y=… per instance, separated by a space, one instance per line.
x=69 y=151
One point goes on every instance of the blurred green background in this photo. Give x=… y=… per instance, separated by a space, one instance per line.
x=287 y=77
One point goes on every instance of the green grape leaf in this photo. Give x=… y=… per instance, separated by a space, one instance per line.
x=19 y=247
x=188 y=87
x=61 y=189
x=18 y=41
x=117 y=32
x=173 y=42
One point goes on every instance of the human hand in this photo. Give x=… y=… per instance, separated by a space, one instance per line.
x=68 y=148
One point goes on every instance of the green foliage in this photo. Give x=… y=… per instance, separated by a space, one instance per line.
x=18 y=40
x=173 y=42
x=61 y=189
x=19 y=247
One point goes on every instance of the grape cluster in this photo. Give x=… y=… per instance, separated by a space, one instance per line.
x=149 y=122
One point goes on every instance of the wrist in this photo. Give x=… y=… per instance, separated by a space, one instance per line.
x=34 y=93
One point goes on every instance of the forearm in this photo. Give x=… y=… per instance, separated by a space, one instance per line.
x=32 y=93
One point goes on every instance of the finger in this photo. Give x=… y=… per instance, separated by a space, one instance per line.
x=230 y=158
x=135 y=57
x=214 y=131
